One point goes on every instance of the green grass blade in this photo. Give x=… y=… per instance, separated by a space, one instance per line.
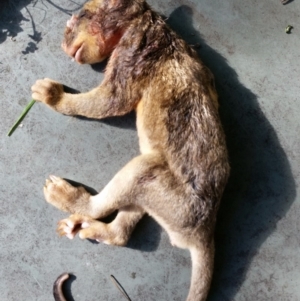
x=22 y=116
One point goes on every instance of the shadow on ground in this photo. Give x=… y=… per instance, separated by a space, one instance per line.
x=261 y=187
x=12 y=20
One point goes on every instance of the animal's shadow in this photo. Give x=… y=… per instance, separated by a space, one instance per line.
x=261 y=187
x=127 y=121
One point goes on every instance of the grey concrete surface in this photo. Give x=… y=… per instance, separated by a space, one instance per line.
x=256 y=65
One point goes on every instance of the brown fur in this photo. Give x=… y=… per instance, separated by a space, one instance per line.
x=181 y=173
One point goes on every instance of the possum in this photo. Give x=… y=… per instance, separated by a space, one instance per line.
x=181 y=172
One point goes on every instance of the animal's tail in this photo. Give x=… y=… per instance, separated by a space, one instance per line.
x=57 y=287
x=202 y=270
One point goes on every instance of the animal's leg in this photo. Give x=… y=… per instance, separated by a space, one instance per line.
x=148 y=183
x=97 y=103
x=126 y=188
x=117 y=232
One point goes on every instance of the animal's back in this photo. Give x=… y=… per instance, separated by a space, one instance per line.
x=178 y=117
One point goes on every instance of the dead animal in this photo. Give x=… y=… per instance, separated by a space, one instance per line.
x=182 y=170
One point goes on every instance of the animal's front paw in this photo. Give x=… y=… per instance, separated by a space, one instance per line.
x=47 y=91
x=64 y=196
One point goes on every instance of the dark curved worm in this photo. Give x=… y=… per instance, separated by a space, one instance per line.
x=57 y=287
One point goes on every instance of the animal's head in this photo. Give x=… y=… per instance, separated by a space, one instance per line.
x=92 y=35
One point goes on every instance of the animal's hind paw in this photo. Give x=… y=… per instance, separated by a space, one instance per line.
x=69 y=227
x=64 y=196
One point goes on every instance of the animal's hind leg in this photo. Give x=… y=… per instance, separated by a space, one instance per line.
x=117 y=232
x=128 y=187
x=148 y=183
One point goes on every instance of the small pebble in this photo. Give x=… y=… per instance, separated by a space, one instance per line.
x=289 y=28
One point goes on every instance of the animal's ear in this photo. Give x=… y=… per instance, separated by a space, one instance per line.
x=71 y=23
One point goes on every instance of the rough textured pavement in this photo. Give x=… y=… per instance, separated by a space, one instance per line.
x=256 y=65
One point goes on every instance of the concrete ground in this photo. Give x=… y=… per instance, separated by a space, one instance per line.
x=256 y=65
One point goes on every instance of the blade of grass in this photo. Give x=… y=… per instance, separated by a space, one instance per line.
x=22 y=116
x=119 y=287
